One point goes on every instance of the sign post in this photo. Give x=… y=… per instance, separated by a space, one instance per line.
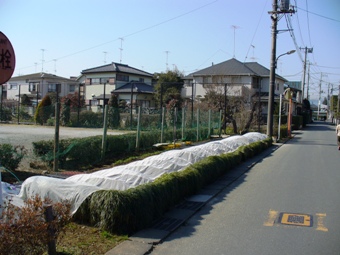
x=7 y=65
x=7 y=59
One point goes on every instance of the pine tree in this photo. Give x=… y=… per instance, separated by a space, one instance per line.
x=43 y=111
x=113 y=112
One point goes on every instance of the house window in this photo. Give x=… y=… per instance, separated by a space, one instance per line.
x=53 y=87
x=122 y=77
x=95 y=81
x=13 y=86
x=72 y=88
x=32 y=87
x=255 y=82
x=141 y=79
x=104 y=80
x=277 y=86
x=93 y=102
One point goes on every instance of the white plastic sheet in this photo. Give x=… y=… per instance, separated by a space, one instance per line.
x=78 y=187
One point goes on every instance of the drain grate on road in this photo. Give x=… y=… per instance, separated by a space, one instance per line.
x=190 y=205
x=167 y=224
x=296 y=219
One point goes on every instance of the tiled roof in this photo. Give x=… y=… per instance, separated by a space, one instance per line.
x=234 y=67
x=116 y=67
x=138 y=87
x=39 y=76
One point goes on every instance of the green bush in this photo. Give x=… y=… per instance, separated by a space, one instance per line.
x=86 y=152
x=6 y=114
x=297 y=122
x=10 y=156
x=44 y=110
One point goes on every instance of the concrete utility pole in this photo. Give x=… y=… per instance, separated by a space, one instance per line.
x=307 y=50
x=284 y=8
x=308 y=81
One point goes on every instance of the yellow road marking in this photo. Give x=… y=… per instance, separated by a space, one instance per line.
x=296 y=219
x=320 y=225
x=272 y=215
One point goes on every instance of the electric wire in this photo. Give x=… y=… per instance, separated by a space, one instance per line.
x=128 y=35
x=258 y=23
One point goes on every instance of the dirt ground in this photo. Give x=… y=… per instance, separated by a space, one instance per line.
x=24 y=135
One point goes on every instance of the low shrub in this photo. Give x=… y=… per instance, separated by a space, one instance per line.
x=25 y=231
x=11 y=156
x=79 y=153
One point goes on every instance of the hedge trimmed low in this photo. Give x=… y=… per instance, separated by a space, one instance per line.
x=78 y=153
x=128 y=211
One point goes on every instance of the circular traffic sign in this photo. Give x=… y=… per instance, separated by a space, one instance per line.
x=7 y=59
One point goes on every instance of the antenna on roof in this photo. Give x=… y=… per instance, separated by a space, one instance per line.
x=121 y=48
x=166 y=63
x=253 y=57
x=234 y=27
x=55 y=66
x=42 y=60
x=104 y=56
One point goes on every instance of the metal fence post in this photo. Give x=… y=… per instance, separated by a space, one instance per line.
x=51 y=232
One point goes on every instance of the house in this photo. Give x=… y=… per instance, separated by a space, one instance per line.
x=139 y=93
x=35 y=86
x=117 y=78
x=234 y=78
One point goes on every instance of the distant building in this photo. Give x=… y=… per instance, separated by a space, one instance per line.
x=239 y=79
x=35 y=86
x=101 y=81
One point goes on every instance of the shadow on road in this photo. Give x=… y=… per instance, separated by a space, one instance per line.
x=227 y=184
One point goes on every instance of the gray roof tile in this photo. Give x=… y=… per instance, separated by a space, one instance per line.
x=138 y=87
x=234 y=67
x=116 y=67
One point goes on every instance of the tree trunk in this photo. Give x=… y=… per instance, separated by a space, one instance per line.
x=251 y=116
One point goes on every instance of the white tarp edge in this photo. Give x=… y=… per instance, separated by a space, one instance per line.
x=78 y=187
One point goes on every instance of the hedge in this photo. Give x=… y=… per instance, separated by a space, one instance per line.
x=128 y=211
x=79 y=153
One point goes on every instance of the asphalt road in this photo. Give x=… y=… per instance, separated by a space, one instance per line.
x=286 y=204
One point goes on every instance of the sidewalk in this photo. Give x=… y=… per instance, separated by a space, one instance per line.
x=143 y=241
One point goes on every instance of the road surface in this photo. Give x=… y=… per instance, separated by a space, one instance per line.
x=289 y=203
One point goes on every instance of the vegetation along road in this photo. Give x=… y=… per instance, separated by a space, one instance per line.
x=286 y=204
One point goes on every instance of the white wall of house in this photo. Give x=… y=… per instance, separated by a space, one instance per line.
x=43 y=89
x=96 y=90
x=112 y=84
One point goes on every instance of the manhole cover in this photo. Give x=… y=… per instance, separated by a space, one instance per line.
x=296 y=219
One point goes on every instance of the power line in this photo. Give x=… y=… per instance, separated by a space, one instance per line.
x=131 y=34
x=322 y=16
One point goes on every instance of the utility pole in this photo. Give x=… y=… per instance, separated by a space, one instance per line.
x=284 y=8
x=319 y=104
x=308 y=79
x=307 y=50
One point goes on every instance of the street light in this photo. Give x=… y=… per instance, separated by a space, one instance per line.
x=271 y=87
x=287 y=53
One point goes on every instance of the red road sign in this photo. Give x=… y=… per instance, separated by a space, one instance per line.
x=7 y=59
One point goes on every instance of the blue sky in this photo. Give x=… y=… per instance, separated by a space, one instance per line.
x=159 y=34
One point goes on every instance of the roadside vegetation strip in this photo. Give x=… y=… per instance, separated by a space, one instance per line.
x=136 y=208
x=84 y=153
